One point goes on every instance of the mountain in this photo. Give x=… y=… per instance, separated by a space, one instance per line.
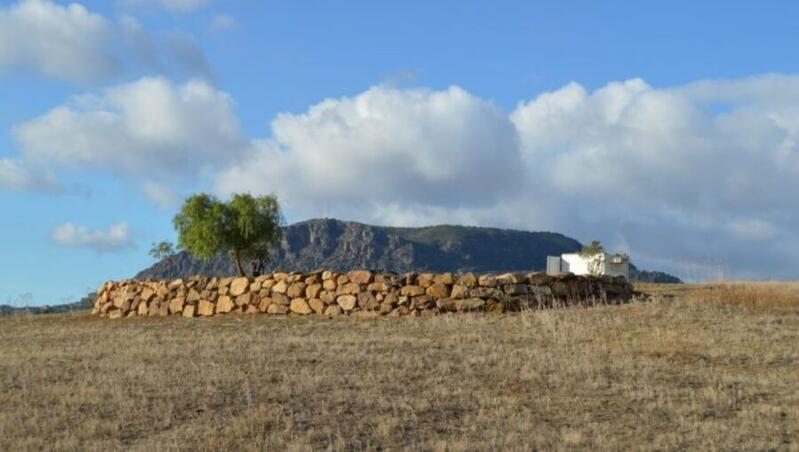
x=637 y=275
x=345 y=245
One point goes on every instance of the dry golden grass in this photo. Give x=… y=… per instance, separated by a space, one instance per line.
x=699 y=367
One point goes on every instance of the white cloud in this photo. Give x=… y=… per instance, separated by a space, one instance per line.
x=694 y=174
x=15 y=175
x=438 y=148
x=162 y=195
x=172 y=53
x=73 y=43
x=690 y=179
x=151 y=126
x=115 y=238
x=179 y=6
x=222 y=22
x=58 y=41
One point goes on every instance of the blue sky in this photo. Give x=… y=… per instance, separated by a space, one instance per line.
x=669 y=131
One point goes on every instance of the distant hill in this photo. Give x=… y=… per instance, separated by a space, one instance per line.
x=637 y=275
x=345 y=245
x=84 y=303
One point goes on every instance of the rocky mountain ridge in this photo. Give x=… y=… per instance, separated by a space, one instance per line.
x=346 y=245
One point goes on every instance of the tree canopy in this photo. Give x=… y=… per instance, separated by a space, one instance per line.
x=246 y=227
x=162 y=250
x=593 y=249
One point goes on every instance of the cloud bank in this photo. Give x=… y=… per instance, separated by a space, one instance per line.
x=57 y=41
x=114 y=239
x=72 y=43
x=151 y=126
x=697 y=179
x=385 y=146
x=15 y=175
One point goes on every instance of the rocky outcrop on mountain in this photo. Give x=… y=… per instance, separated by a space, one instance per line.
x=344 y=245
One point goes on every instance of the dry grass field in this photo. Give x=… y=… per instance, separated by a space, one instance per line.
x=711 y=367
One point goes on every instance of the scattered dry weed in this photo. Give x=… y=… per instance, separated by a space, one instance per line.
x=705 y=367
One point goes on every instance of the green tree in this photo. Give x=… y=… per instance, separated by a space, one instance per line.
x=593 y=249
x=162 y=250
x=246 y=227
x=595 y=255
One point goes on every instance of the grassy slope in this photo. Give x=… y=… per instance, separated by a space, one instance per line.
x=698 y=368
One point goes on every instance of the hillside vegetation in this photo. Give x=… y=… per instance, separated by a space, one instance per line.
x=697 y=368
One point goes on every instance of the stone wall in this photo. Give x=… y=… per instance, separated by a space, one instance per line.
x=358 y=293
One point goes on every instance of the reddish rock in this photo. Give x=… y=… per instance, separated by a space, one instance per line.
x=366 y=300
x=224 y=305
x=402 y=310
x=425 y=280
x=205 y=308
x=238 y=286
x=317 y=305
x=487 y=280
x=333 y=311
x=459 y=291
x=349 y=289
x=468 y=280
x=296 y=290
x=438 y=290
x=281 y=287
x=193 y=297
x=327 y=297
x=390 y=299
x=312 y=291
x=329 y=284
x=263 y=306
x=412 y=291
x=377 y=287
x=444 y=278
x=277 y=309
x=176 y=305
x=244 y=299
x=360 y=276
x=300 y=306
x=280 y=299
x=347 y=302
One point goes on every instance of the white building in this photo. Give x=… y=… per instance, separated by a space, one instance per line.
x=612 y=264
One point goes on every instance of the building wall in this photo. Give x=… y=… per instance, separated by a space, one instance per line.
x=579 y=265
x=574 y=263
x=612 y=269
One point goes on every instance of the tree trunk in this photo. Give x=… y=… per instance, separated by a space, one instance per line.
x=257 y=267
x=237 y=258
